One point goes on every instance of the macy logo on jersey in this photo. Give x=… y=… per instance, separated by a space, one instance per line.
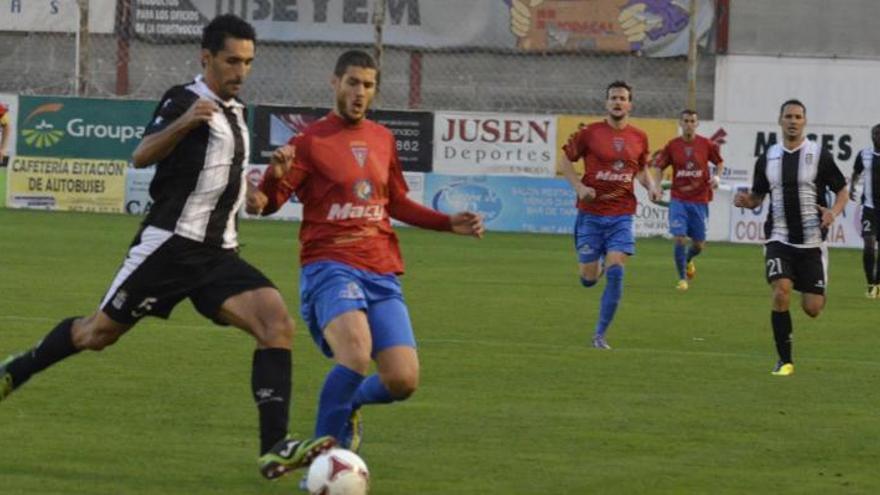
x=614 y=176
x=689 y=173
x=349 y=210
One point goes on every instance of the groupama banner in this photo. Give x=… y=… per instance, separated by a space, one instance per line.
x=73 y=153
x=81 y=127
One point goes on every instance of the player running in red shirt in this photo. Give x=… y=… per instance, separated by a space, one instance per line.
x=614 y=154
x=345 y=170
x=692 y=184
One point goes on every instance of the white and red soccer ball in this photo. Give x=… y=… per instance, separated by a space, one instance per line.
x=338 y=472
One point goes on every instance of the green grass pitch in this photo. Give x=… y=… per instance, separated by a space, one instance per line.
x=512 y=399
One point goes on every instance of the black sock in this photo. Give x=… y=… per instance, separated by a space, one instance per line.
x=55 y=346
x=869 y=263
x=270 y=383
x=693 y=252
x=781 y=321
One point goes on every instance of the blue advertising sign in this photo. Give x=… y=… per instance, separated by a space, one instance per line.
x=513 y=204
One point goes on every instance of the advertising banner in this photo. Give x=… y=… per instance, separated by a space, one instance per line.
x=137 y=190
x=742 y=144
x=273 y=126
x=659 y=132
x=57 y=16
x=747 y=226
x=74 y=184
x=651 y=219
x=81 y=127
x=513 y=204
x=657 y=28
x=473 y=143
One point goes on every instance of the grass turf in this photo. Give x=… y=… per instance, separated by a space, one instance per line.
x=512 y=400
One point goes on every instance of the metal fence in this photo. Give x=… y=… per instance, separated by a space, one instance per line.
x=496 y=75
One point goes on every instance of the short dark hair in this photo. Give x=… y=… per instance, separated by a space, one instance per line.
x=793 y=101
x=226 y=26
x=873 y=129
x=354 y=58
x=688 y=111
x=619 y=84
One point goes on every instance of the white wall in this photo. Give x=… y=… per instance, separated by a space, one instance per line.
x=837 y=92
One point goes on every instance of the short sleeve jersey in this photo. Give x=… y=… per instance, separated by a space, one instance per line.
x=690 y=167
x=348 y=175
x=612 y=159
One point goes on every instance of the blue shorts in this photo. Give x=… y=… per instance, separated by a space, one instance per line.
x=328 y=289
x=688 y=219
x=595 y=235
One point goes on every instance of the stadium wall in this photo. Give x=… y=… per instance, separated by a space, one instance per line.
x=73 y=155
x=804 y=28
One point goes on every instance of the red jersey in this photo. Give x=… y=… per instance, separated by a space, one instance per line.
x=349 y=180
x=612 y=158
x=691 y=180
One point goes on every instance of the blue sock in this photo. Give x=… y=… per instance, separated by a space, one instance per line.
x=680 y=260
x=610 y=297
x=334 y=403
x=693 y=253
x=371 y=391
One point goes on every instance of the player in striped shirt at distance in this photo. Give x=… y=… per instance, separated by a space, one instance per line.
x=797 y=174
x=867 y=162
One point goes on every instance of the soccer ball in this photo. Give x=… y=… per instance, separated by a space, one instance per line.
x=338 y=472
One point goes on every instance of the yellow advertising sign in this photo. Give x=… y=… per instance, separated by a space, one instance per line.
x=73 y=184
x=659 y=132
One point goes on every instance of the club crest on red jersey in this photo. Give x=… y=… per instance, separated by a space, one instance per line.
x=359 y=150
x=618 y=143
x=688 y=151
x=363 y=189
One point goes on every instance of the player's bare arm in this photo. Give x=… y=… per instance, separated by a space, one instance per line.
x=748 y=199
x=583 y=192
x=157 y=146
x=829 y=214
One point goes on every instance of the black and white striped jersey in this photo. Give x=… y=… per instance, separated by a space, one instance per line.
x=797 y=181
x=867 y=162
x=199 y=187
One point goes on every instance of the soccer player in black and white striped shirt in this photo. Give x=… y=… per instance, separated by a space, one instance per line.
x=797 y=174
x=187 y=246
x=868 y=161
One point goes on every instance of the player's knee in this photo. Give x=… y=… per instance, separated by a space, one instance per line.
x=96 y=338
x=401 y=385
x=277 y=331
x=354 y=354
x=814 y=309
x=587 y=282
